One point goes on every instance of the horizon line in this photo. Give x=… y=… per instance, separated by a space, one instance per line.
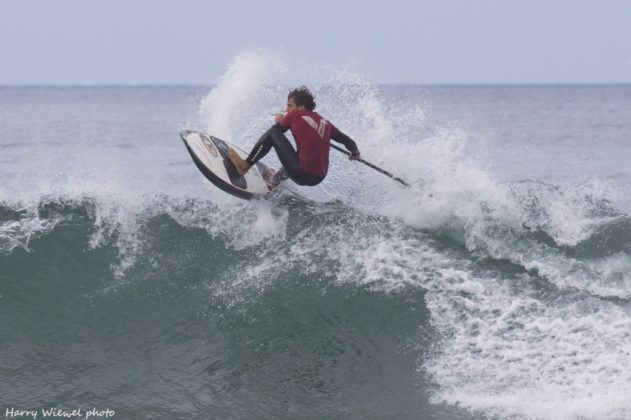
x=384 y=84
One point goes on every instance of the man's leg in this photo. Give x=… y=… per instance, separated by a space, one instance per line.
x=280 y=176
x=286 y=154
x=260 y=149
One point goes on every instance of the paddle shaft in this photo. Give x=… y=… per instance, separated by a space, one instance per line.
x=383 y=171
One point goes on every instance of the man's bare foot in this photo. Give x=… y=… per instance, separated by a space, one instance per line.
x=241 y=165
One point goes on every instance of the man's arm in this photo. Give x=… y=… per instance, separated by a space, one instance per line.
x=348 y=142
x=281 y=128
x=283 y=122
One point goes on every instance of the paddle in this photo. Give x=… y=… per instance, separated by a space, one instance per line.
x=346 y=152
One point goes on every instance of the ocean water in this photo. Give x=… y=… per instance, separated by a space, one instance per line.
x=498 y=286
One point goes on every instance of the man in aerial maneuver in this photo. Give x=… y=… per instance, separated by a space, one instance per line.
x=308 y=165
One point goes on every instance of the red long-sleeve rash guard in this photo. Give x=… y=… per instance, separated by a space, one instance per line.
x=313 y=136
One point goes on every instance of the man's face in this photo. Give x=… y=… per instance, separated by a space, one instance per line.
x=291 y=105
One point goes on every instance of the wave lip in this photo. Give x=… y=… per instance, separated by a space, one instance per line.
x=18 y=233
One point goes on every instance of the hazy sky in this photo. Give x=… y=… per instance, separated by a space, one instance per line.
x=427 y=42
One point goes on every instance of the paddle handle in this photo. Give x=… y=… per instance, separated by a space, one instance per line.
x=375 y=167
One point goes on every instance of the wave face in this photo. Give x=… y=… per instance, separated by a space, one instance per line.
x=498 y=285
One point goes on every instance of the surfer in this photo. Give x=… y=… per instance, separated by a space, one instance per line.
x=309 y=164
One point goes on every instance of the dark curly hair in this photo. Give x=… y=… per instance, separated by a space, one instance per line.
x=303 y=97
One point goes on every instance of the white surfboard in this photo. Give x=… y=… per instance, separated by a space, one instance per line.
x=210 y=154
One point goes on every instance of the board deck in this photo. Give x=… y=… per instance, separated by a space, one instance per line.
x=210 y=154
